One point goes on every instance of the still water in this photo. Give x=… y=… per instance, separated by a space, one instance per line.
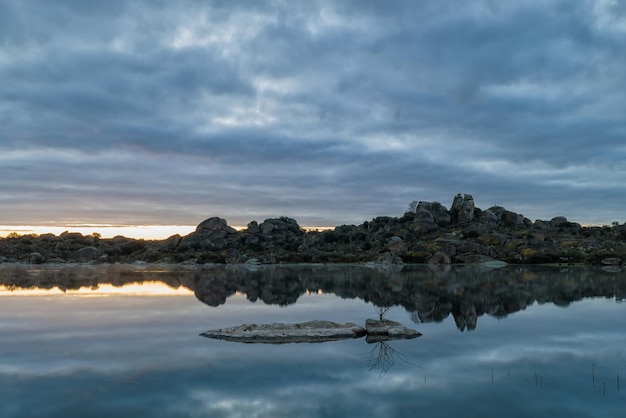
x=102 y=341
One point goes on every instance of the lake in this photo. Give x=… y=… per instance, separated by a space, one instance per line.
x=115 y=340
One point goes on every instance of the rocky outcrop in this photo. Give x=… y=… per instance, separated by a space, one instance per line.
x=427 y=233
x=386 y=329
x=280 y=333
x=439 y=213
x=214 y=224
x=212 y=234
x=312 y=332
x=462 y=209
x=466 y=214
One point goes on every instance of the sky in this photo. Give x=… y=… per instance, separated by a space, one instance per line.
x=329 y=112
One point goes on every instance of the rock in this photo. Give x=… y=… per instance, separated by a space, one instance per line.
x=540 y=252
x=36 y=258
x=232 y=256
x=473 y=247
x=611 y=261
x=281 y=333
x=487 y=216
x=466 y=214
x=512 y=219
x=386 y=259
x=457 y=204
x=474 y=231
x=438 y=212
x=389 y=329
x=462 y=209
x=268 y=259
x=559 y=221
x=422 y=215
x=267 y=227
x=420 y=228
x=253 y=228
x=396 y=246
x=171 y=243
x=439 y=257
x=539 y=224
x=87 y=253
x=442 y=217
x=195 y=240
x=252 y=240
x=215 y=224
x=417 y=237
x=473 y=259
x=494 y=239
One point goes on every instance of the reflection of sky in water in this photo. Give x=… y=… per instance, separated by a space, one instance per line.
x=142 y=356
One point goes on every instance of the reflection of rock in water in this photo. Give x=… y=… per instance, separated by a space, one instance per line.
x=465 y=316
x=431 y=295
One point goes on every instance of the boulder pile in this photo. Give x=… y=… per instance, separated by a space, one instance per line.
x=427 y=233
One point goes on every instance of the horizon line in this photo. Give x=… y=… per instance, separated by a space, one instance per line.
x=106 y=231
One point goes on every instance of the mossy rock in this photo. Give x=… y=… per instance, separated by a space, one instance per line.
x=533 y=256
x=513 y=245
x=416 y=256
x=492 y=239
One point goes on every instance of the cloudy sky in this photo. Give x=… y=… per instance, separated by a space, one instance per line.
x=330 y=112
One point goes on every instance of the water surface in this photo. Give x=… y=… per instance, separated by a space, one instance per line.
x=105 y=341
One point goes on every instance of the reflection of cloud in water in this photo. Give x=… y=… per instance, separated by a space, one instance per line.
x=143 y=356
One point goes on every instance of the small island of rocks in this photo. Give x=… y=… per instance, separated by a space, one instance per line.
x=427 y=233
x=313 y=332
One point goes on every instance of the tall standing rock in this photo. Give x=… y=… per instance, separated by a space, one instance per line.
x=457 y=204
x=462 y=210
x=466 y=214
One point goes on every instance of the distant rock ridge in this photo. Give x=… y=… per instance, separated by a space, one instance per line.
x=427 y=233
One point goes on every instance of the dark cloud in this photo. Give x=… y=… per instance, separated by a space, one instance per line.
x=329 y=112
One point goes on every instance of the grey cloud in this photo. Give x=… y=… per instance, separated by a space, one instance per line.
x=333 y=111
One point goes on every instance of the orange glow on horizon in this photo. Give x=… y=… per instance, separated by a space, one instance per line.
x=149 y=232
x=150 y=288
x=105 y=231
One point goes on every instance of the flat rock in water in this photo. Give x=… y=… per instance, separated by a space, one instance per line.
x=280 y=333
x=379 y=330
